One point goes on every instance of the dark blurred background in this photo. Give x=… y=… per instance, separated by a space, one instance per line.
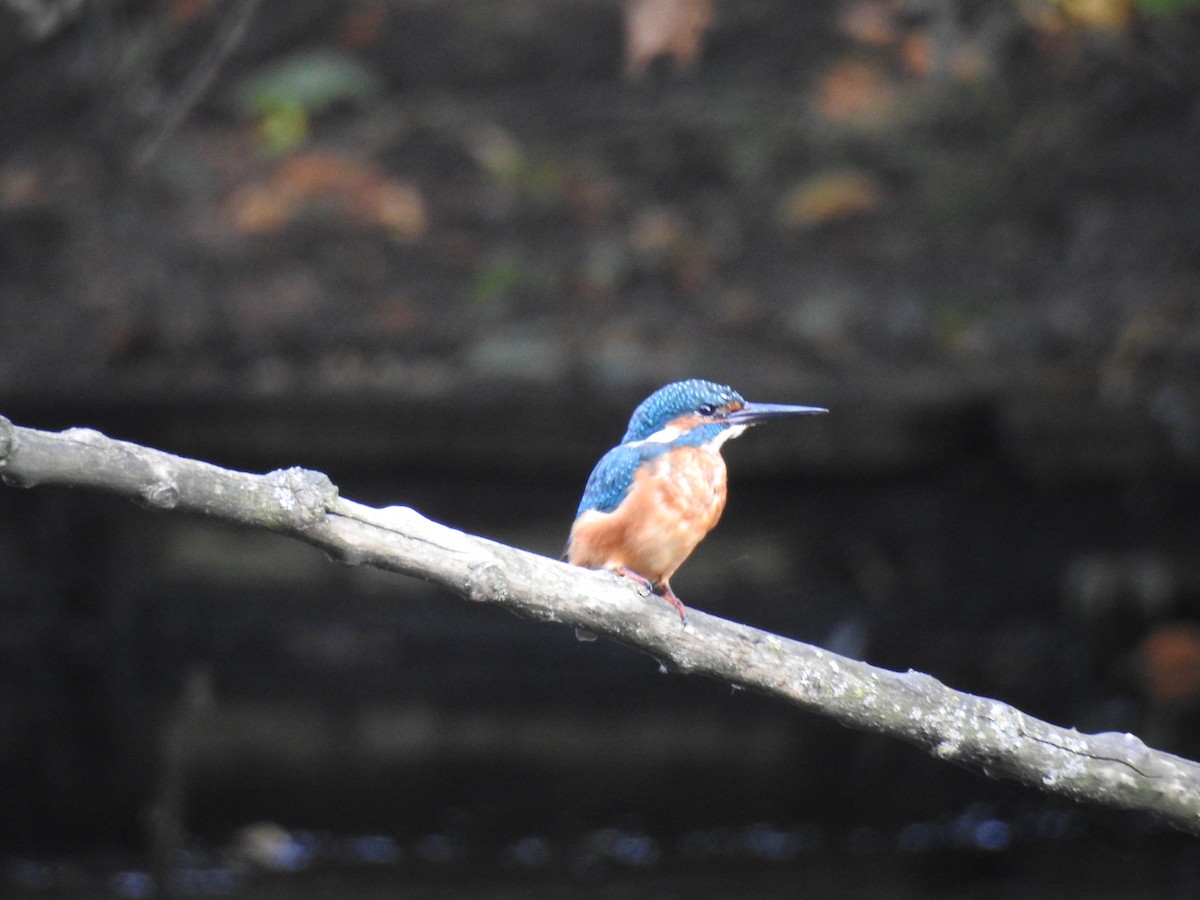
x=440 y=250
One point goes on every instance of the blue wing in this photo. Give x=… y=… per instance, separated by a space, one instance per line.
x=610 y=481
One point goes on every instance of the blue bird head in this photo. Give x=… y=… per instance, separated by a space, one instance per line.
x=703 y=403
x=694 y=397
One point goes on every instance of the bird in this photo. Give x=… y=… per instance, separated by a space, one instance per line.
x=651 y=499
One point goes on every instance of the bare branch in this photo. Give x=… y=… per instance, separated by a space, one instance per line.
x=984 y=735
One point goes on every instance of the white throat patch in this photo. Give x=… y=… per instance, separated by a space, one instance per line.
x=727 y=435
x=672 y=432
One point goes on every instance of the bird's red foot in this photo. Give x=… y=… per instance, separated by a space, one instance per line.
x=667 y=593
x=674 y=601
x=641 y=580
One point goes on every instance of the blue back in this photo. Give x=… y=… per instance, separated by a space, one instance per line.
x=610 y=481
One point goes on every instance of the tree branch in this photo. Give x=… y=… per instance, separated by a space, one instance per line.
x=984 y=735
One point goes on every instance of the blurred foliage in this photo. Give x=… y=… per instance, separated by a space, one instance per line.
x=355 y=191
x=1155 y=7
x=285 y=95
x=498 y=278
x=538 y=182
x=1169 y=663
x=829 y=196
x=664 y=28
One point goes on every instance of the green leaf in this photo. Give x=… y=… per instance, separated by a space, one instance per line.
x=310 y=81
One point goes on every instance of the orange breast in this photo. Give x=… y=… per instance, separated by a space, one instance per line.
x=674 y=502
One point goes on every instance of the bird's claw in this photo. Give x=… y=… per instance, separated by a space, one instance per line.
x=646 y=588
x=669 y=596
x=644 y=585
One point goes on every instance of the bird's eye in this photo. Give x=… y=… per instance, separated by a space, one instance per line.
x=706 y=409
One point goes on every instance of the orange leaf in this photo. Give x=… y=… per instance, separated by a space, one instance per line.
x=1170 y=658
x=397 y=207
x=917 y=52
x=356 y=189
x=362 y=25
x=855 y=92
x=260 y=208
x=871 y=22
x=180 y=12
x=673 y=28
x=829 y=196
x=1102 y=15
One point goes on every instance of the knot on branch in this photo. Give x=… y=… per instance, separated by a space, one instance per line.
x=8 y=439
x=302 y=496
x=487 y=583
x=8 y=443
x=161 y=495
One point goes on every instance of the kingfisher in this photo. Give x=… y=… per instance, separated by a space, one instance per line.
x=652 y=498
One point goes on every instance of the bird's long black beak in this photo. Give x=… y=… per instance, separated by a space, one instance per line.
x=756 y=413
